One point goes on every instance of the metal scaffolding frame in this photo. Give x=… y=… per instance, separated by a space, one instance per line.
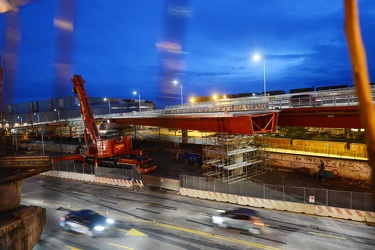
x=232 y=158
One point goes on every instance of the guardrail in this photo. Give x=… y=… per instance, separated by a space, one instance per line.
x=25 y=162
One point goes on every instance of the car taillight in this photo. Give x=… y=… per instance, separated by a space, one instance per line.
x=258 y=223
x=62 y=219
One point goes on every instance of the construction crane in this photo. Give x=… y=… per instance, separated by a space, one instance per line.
x=104 y=151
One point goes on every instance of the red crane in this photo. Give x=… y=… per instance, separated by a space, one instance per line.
x=99 y=151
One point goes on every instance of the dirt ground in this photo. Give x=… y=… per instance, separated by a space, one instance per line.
x=289 y=178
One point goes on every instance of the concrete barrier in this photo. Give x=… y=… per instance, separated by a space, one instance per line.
x=342 y=213
x=193 y=193
x=222 y=197
x=161 y=182
x=295 y=207
x=115 y=182
x=256 y=202
x=84 y=177
x=66 y=175
x=369 y=216
x=93 y=178
x=52 y=173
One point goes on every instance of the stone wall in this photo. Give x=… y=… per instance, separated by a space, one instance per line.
x=346 y=168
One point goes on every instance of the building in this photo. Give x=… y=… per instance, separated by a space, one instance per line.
x=56 y=109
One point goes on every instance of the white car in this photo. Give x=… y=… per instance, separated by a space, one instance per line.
x=241 y=218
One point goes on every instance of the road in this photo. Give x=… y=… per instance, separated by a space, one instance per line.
x=154 y=220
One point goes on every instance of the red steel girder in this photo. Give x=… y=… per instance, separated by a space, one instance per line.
x=244 y=124
x=326 y=117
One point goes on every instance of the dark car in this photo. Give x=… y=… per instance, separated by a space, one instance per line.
x=241 y=218
x=87 y=222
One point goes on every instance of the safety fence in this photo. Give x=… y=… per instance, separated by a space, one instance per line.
x=103 y=172
x=303 y=195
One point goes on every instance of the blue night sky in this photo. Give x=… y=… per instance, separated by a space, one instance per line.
x=121 y=46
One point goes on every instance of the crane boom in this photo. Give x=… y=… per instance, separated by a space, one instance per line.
x=86 y=110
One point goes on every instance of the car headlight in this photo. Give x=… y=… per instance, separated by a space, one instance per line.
x=110 y=221
x=217 y=219
x=99 y=228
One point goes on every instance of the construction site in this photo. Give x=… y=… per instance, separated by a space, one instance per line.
x=233 y=158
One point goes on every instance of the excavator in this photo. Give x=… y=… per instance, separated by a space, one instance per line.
x=104 y=152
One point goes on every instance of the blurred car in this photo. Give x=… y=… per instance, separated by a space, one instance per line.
x=305 y=100
x=241 y=218
x=87 y=222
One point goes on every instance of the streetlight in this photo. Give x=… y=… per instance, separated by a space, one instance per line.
x=176 y=82
x=58 y=114
x=20 y=117
x=109 y=105
x=257 y=57
x=139 y=100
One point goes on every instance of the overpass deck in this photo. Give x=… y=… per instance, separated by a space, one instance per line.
x=250 y=115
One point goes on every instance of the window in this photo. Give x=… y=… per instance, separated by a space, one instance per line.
x=240 y=217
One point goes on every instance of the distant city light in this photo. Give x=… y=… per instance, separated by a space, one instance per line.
x=65 y=25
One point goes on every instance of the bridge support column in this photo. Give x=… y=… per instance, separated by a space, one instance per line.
x=11 y=195
x=21 y=227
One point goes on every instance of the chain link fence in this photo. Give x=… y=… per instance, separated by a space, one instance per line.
x=324 y=197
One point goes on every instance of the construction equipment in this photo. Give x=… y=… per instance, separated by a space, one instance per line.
x=98 y=150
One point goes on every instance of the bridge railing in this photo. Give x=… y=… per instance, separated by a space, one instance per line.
x=24 y=162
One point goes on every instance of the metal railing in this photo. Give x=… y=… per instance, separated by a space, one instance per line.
x=25 y=161
x=324 y=197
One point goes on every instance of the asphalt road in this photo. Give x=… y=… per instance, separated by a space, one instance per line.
x=153 y=220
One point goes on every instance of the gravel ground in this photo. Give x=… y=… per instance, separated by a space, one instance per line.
x=288 y=178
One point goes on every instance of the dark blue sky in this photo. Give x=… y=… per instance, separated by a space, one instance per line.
x=116 y=47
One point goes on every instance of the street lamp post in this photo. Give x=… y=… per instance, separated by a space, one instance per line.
x=109 y=105
x=20 y=117
x=176 y=82
x=139 y=100
x=257 y=57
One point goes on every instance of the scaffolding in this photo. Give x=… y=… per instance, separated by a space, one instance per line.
x=232 y=158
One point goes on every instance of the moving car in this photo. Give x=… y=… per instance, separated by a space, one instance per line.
x=241 y=218
x=87 y=222
x=311 y=100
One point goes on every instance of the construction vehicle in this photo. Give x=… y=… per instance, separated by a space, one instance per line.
x=99 y=151
x=190 y=158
